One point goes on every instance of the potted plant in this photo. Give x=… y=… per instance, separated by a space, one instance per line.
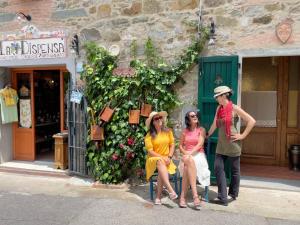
x=146 y=109
x=134 y=116
x=97 y=132
x=106 y=113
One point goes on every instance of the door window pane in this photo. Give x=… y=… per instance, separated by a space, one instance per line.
x=259 y=89
x=293 y=93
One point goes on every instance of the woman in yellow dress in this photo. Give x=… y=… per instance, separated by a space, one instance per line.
x=160 y=146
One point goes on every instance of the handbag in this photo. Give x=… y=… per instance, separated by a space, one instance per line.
x=76 y=96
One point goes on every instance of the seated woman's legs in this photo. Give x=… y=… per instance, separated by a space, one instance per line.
x=159 y=186
x=192 y=175
x=185 y=182
x=164 y=176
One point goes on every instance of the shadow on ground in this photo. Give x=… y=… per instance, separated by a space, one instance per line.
x=143 y=191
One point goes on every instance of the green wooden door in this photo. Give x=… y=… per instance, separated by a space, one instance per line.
x=215 y=71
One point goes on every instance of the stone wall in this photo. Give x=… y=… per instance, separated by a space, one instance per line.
x=251 y=24
x=240 y=25
x=170 y=23
x=243 y=25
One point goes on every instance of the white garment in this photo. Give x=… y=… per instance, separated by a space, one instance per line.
x=25 y=113
x=203 y=173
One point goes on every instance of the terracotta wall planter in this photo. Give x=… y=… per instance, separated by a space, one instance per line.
x=146 y=109
x=134 y=116
x=97 y=133
x=106 y=114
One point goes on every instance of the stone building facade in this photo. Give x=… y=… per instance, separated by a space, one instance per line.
x=264 y=36
x=170 y=24
x=246 y=28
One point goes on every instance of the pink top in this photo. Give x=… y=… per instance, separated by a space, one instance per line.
x=191 y=139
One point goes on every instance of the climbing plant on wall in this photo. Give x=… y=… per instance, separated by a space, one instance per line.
x=122 y=152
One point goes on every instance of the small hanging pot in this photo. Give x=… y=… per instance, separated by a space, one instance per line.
x=146 y=109
x=134 y=116
x=106 y=114
x=97 y=133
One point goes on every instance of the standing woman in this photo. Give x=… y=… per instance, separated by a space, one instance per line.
x=160 y=145
x=229 y=142
x=193 y=165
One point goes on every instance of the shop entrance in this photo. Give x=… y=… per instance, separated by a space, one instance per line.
x=41 y=111
x=271 y=93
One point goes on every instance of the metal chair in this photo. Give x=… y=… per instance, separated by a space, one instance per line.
x=206 y=188
x=153 y=178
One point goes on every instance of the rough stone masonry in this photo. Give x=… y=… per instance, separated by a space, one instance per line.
x=240 y=24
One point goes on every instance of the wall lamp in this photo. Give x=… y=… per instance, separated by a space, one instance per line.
x=212 y=32
x=75 y=44
x=22 y=16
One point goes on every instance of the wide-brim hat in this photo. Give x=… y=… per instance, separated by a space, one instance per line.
x=221 y=90
x=164 y=114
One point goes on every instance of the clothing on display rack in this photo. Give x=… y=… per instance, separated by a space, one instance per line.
x=25 y=113
x=8 y=102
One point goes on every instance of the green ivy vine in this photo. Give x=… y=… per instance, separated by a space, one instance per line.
x=122 y=153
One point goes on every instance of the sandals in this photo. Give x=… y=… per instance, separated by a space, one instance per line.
x=157 y=201
x=182 y=203
x=173 y=196
x=197 y=203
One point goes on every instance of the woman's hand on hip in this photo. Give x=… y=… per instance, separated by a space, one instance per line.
x=237 y=137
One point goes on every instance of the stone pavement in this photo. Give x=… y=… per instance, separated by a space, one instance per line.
x=35 y=200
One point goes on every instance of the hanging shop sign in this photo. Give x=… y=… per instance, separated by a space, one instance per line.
x=33 y=49
x=30 y=43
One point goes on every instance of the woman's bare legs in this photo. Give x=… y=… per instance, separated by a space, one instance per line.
x=159 y=187
x=185 y=181
x=192 y=175
x=164 y=175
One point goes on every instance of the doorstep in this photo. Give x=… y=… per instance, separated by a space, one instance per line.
x=40 y=168
x=270 y=183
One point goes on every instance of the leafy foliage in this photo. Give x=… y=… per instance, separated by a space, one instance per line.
x=122 y=153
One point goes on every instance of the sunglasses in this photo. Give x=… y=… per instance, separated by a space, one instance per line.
x=157 y=118
x=193 y=116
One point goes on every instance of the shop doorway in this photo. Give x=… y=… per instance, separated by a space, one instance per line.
x=46 y=112
x=41 y=111
x=270 y=92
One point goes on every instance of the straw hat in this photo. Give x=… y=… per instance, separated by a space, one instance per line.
x=221 y=90
x=164 y=114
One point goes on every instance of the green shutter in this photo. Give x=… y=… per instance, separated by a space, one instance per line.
x=215 y=71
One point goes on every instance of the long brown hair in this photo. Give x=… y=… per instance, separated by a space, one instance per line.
x=153 y=131
x=187 y=120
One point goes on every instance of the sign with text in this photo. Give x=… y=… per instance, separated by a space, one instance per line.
x=33 y=48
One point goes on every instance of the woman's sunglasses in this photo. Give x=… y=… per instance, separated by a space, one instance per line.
x=192 y=116
x=157 y=118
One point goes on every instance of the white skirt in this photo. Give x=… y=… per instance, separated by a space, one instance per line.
x=203 y=173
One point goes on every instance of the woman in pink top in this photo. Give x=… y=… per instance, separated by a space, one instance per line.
x=193 y=164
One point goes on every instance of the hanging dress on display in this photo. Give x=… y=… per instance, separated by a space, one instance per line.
x=8 y=102
x=25 y=107
x=25 y=113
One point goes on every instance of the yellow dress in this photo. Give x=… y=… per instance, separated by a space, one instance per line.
x=161 y=145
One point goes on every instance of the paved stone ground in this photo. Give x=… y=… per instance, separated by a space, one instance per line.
x=32 y=200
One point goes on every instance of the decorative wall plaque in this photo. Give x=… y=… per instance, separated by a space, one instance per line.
x=218 y=81
x=284 y=30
